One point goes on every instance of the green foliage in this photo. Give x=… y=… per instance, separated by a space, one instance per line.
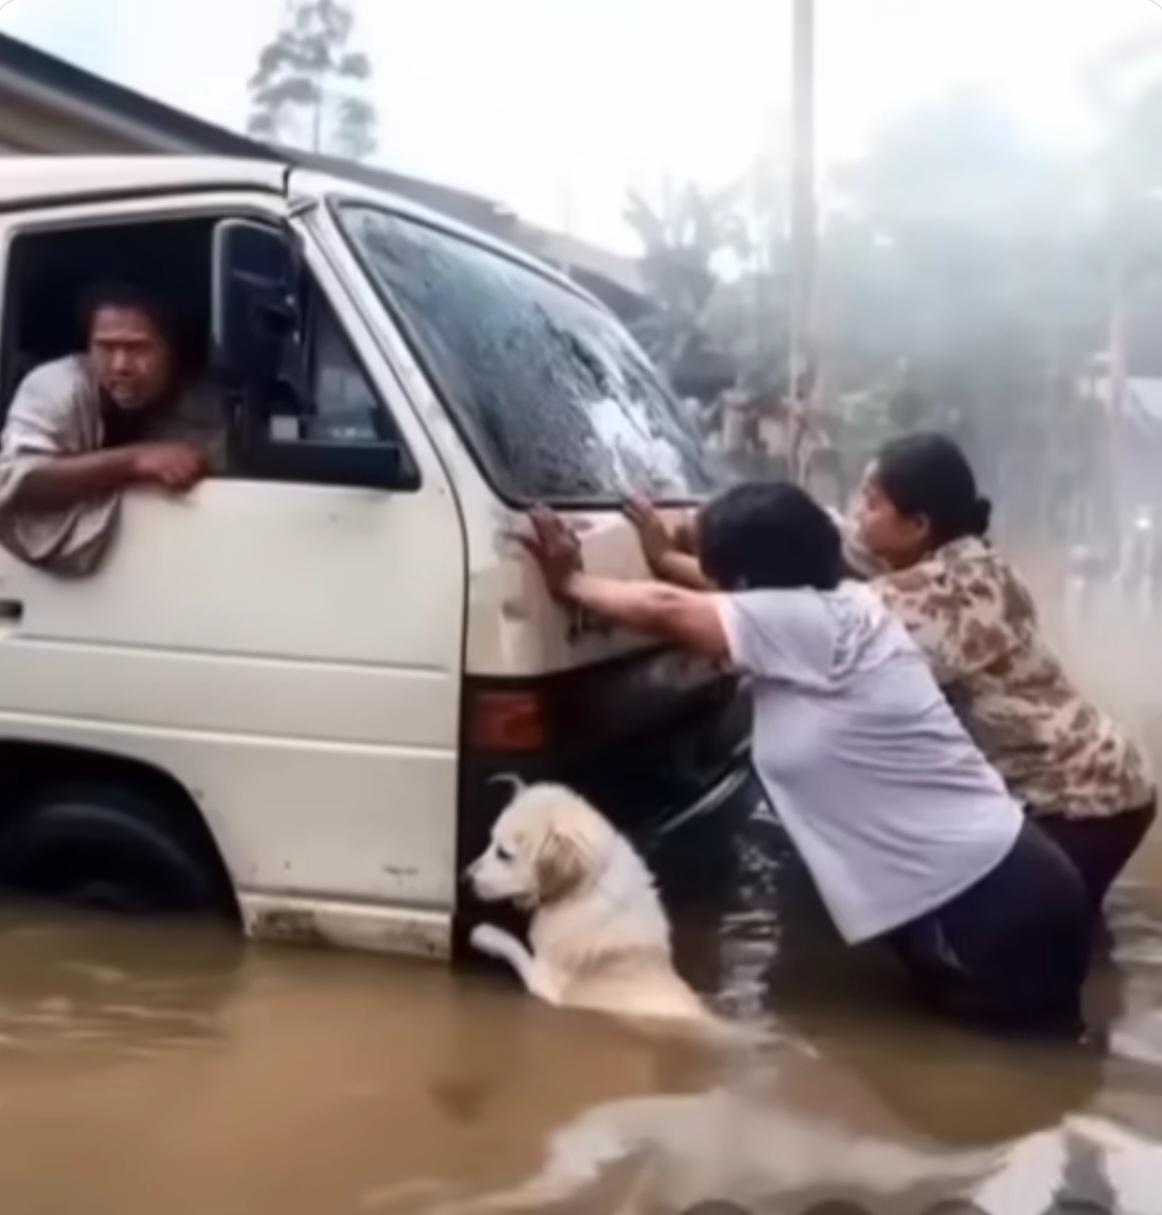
x=966 y=279
x=307 y=87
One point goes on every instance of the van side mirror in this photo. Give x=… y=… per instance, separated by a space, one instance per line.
x=254 y=309
x=257 y=328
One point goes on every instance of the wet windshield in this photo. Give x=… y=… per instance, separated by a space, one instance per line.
x=553 y=396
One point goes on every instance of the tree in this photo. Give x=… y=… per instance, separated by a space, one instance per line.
x=965 y=274
x=308 y=87
x=976 y=269
x=681 y=238
x=749 y=314
x=715 y=264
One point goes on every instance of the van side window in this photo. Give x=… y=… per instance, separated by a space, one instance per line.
x=325 y=425
x=50 y=271
x=328 y=420
x=343 y=408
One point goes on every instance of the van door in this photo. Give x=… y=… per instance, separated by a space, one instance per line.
x=288 y=649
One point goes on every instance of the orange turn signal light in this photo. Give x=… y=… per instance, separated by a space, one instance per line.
x=506 y=721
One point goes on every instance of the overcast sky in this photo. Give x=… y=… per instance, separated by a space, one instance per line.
x=557 y=107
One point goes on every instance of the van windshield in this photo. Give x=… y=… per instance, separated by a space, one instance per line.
x=554 y=397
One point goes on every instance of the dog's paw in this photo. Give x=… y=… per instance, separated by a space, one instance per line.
x=489 y=939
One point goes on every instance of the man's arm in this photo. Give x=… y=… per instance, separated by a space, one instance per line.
x=668 y=559
x=56 y=482
x=47 y=463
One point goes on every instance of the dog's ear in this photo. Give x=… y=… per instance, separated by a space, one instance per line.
x=561 y=865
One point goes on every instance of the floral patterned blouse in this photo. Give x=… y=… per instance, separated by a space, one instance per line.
x=977 y=625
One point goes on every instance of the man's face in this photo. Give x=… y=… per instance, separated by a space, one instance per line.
x=131 y=358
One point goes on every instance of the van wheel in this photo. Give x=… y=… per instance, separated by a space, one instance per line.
x=107 y=847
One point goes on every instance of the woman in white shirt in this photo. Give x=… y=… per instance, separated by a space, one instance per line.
x=907 y=831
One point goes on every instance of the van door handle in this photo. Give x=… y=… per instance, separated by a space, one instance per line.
x=11 y=612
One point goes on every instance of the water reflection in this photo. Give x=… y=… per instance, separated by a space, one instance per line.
x=97 y=982
x=749 y=1142
x=755 y=1145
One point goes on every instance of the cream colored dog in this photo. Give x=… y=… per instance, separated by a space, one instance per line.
x=600 y=938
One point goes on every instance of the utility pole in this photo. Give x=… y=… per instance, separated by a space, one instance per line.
x=803 y=235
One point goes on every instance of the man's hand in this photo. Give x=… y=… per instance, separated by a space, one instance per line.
x=656 y=541
x=555 y=547
x=177 y=467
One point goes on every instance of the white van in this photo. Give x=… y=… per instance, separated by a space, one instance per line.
x=287 y=695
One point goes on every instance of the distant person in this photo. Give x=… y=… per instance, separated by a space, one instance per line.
x=907 y=831
x=81 y=430
x=1089 y=787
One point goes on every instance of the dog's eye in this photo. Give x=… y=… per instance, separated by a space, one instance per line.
x=503 y=854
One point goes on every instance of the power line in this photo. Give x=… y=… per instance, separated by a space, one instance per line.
x=5 y=3
x=1156 y=3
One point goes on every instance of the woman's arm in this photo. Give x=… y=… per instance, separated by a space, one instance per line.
x=681 y=569
x=668 y=559
x=688 y=618
x=673 y=613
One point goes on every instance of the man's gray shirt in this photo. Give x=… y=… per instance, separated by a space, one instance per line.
x=58 y=411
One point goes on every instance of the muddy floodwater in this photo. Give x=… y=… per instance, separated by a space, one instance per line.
x=155 y=1069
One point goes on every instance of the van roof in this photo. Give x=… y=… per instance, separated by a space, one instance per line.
x=31 y=181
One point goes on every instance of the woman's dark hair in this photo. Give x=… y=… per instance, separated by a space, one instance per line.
x=770 y=536
x=928 y=474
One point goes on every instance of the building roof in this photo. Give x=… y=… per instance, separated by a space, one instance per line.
x=163 y=128
x=39 y=76
x=135 y=122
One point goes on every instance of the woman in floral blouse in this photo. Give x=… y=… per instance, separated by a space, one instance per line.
x=919 y=516
x=921 y=525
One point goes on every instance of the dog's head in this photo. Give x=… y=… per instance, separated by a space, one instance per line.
x=548 y=843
